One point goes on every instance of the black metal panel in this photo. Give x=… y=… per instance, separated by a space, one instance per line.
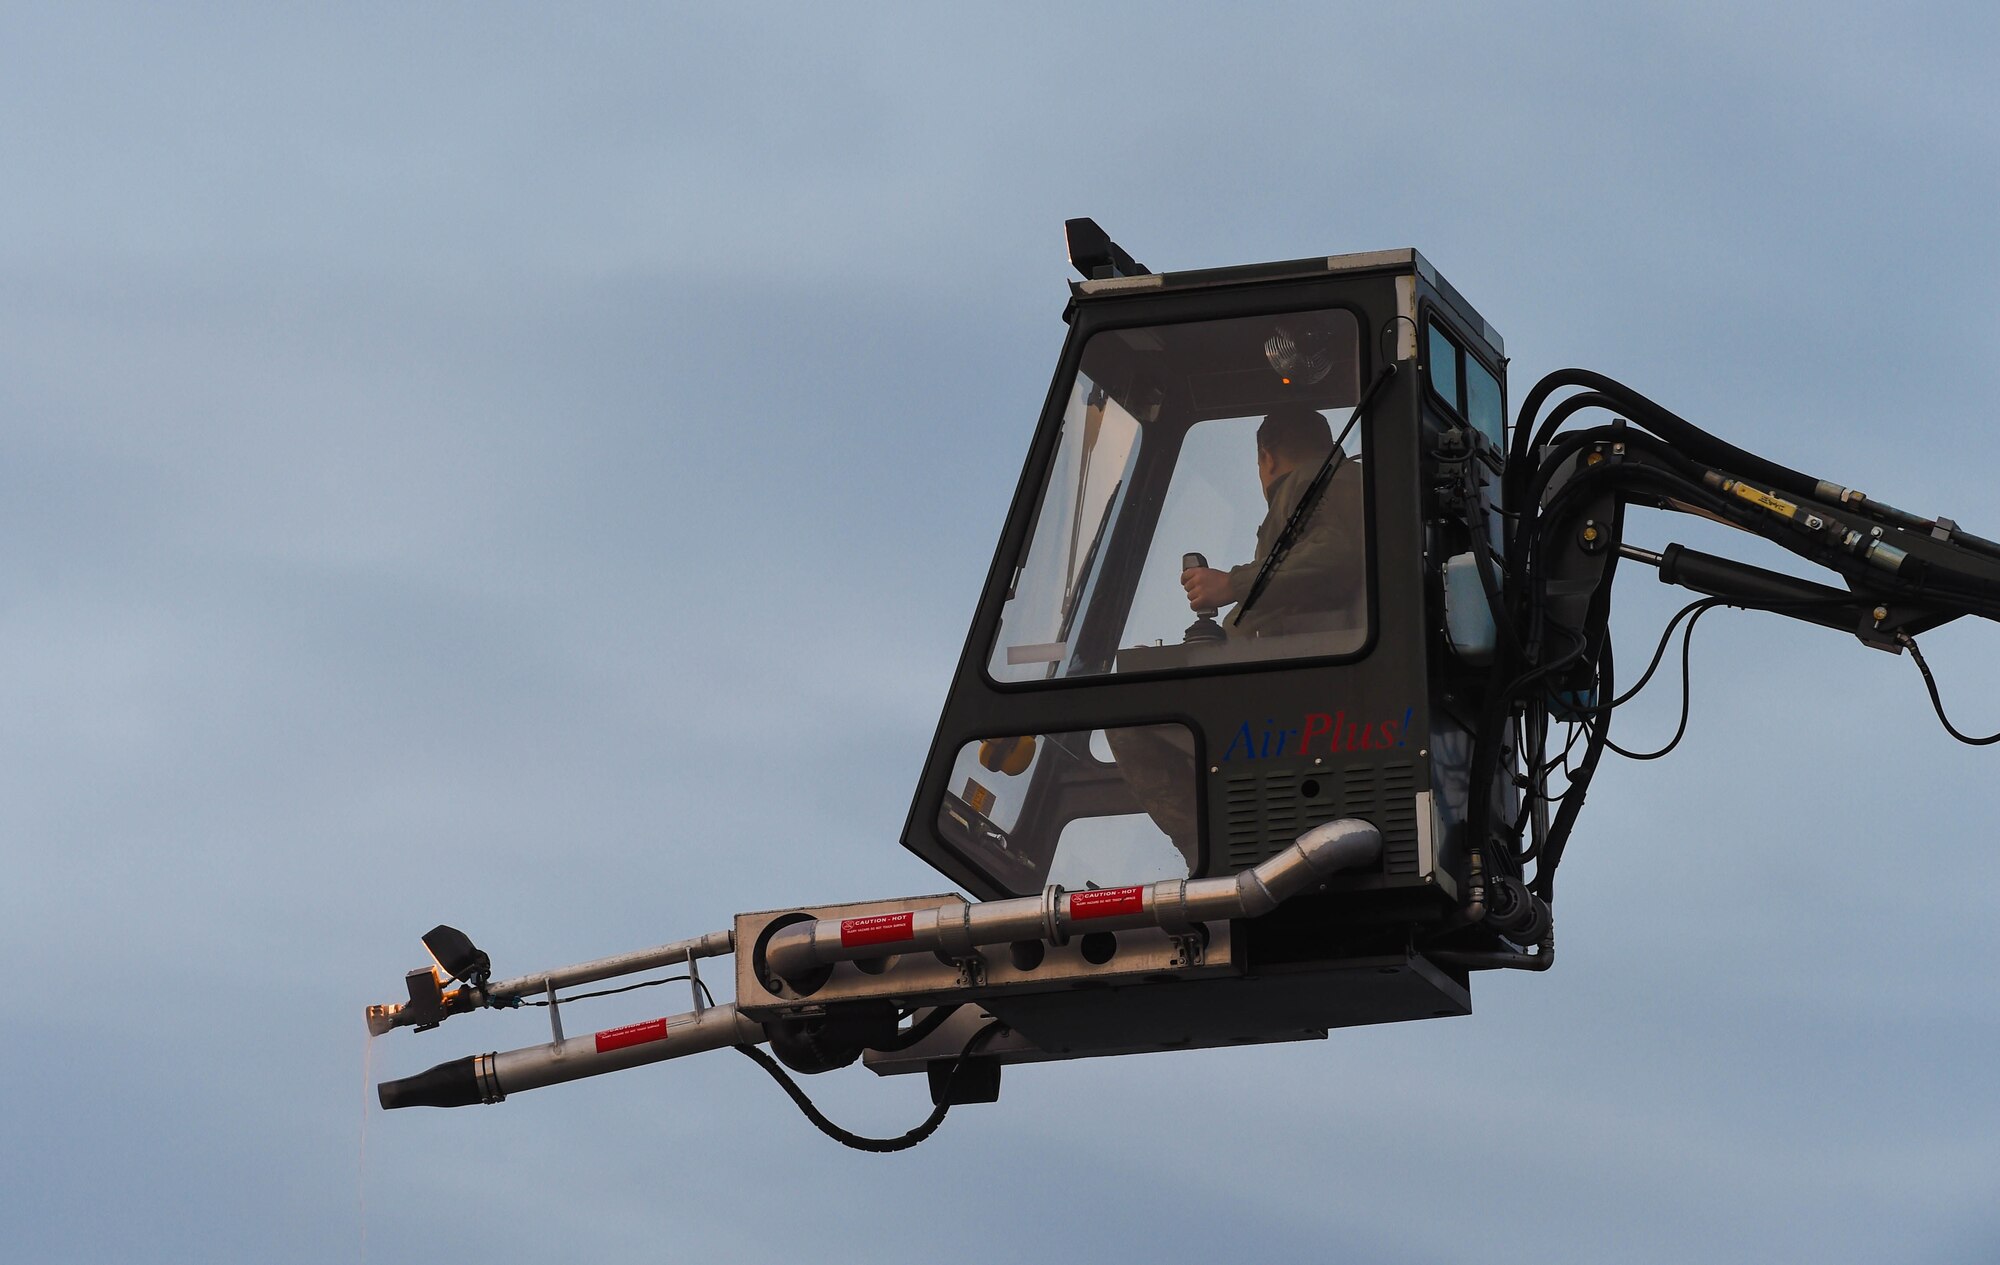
x=1266 y=809
x=1274 y=1006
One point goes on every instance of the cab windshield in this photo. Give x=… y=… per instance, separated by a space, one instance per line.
x=1201 y=507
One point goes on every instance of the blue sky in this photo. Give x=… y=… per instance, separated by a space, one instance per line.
x=532 y=469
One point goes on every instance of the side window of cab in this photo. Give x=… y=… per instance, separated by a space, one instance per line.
x=1461 y=382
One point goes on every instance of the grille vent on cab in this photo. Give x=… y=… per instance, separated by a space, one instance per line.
x=1265 y=811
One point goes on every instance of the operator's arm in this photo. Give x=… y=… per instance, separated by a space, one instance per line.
x=1323 y=571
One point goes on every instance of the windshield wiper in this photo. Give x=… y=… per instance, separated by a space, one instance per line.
x=1075 y=594
x=1295 y=525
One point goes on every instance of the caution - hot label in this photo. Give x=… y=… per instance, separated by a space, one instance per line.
x=1106 y=902
x=631 y=1034
x=876 y=929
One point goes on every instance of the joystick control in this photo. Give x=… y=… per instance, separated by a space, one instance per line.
x=1204 y=628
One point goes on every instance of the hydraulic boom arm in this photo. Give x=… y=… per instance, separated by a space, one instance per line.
x=1564 y=496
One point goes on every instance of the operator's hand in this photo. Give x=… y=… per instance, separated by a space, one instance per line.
x=1207 y=588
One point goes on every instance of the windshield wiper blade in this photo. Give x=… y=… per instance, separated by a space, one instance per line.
x=1077 y=581
x=1310 y=497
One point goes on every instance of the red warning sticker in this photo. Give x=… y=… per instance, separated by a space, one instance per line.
x=876 y=929
x=631 y=1034
x=1106 y=902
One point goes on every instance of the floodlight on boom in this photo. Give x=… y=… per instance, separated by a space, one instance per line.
x=457 y=956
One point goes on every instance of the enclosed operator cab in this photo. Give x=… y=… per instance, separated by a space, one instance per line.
x=1222 y=613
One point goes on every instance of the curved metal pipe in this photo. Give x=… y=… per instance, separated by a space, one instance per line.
x=1176 y=905
x=1541 y=959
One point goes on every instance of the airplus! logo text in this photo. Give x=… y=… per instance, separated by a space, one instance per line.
x=1318 y=733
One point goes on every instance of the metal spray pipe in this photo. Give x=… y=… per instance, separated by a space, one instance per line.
x=1175 y=905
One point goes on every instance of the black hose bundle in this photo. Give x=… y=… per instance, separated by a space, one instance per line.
x=1545 y=665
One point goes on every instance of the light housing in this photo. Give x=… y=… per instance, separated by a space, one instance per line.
x=457 y=956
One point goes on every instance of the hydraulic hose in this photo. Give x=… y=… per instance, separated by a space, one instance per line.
x=1668 y=425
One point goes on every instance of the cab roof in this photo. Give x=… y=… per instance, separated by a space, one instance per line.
x=1407 y=259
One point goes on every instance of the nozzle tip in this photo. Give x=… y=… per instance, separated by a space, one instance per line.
x=453 y=1084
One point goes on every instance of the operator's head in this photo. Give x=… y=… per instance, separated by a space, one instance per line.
x=1291 y=436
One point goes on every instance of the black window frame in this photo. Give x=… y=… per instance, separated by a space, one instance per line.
x=1464 y=354
x=1040 y=464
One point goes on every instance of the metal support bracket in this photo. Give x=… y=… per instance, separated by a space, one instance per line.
x=1187 y=950
x=694 y=985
